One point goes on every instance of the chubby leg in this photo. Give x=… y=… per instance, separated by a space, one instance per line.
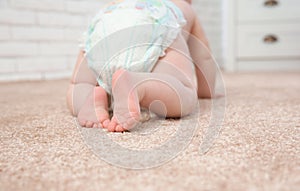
x=200 y=51
x=85 y=99
x=204 y=62
x=171 y=84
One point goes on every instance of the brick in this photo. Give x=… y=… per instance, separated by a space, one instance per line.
x=73 y=34
x=57 y=75
x=37 y=33
x=71 y=62
x=61 y=19
x=17 y=17
x=85 y=7
x=58 y=49
x=7 y=65
x=20 y=77
x=5 y=33
x=11 y=49
x=41 y=5
x=3 y=4
x=41 y=64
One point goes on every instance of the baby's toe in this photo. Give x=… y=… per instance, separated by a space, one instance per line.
x=105 y=123
x=119 y=128
x=112 y=126
x=89 y=124
x=82 y=123
x=96 y=125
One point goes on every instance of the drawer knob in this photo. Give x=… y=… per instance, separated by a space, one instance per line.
x=270 y=39
x=271 y=3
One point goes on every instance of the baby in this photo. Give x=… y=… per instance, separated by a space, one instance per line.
x=167 y=82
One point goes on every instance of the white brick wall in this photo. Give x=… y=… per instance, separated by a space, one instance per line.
x=39 y=38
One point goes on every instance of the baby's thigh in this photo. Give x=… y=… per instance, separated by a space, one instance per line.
x=177 y=62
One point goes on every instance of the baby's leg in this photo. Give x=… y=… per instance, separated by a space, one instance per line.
x=85 y=99
x=200 y=51
x=170 y=90
x=204 y=63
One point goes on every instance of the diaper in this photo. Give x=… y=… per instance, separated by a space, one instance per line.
x=132 y=35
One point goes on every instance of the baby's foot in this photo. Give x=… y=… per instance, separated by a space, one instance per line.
x=94 y=111
x=101 y=106
x=126 y=103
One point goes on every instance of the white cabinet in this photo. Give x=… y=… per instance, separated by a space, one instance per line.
x=262 y=35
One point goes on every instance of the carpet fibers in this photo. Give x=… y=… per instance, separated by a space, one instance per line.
x=257 y=148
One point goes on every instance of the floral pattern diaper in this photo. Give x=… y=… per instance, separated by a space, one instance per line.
x=130 y=34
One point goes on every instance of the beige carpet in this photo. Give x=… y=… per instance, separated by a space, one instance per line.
x=258 y=148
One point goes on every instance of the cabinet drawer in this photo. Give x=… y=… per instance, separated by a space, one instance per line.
x=273 y=40
x=268 y=10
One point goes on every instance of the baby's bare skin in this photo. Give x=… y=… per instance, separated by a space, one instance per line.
x=94 y=112
x=172 y=72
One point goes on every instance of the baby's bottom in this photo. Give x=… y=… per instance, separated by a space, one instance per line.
x=170 y=90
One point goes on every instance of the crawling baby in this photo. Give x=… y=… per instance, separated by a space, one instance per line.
x=140 y=54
